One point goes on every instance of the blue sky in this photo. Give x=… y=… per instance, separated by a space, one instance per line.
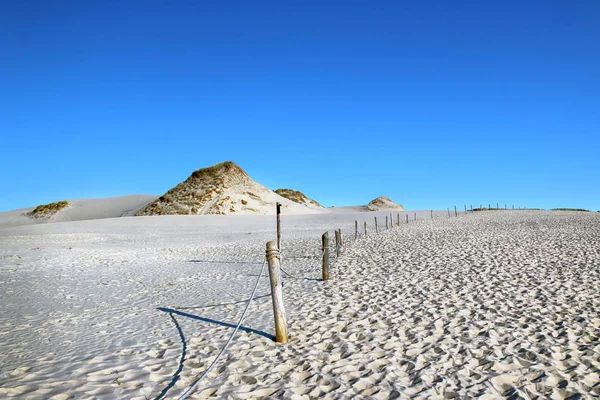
x=432 y=103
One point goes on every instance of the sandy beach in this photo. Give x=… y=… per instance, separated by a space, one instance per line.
x=495 y=304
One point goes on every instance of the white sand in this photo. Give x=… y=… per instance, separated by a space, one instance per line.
x=492 y=304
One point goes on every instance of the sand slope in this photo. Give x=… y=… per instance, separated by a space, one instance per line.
x=82 y=209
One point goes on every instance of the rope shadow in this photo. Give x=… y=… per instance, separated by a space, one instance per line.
x=221 y=323
x=175 y=377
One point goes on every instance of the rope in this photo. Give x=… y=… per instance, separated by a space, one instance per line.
x=193 y=387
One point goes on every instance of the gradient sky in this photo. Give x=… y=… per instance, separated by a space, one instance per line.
x=432 y=103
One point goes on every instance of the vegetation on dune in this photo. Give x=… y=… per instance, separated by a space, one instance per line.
x=570 y=209
x=45 y=211
x=296 y=196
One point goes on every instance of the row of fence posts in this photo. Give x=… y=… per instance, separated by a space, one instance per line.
x=480 y=208
x=273 y=259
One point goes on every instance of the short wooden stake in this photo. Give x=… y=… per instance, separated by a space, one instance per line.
x=407 y=218
x=355 y=229
x=325 y=249
x=471 y=207
x=281 y=335
x=448 y=212
x=376 y=228
x=386 y=222
x=398 y=219
x=341 y=238
x=337 y=243
x=415 y=216
x=391 y=220
x=365 y=228
x=465 y=208
x=431 y=214
x=455 y=212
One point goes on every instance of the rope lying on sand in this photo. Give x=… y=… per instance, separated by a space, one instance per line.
x=193 y=387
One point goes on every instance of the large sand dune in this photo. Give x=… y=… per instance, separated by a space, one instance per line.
x=491 y=304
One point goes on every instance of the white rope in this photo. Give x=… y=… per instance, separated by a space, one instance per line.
x=195 y=384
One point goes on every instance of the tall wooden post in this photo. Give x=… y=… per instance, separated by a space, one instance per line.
x=376 y=228
x=279 y=226
x=341 y=238
x=431 y=214
x=448 y=212
x=325 y=248
x=355 y=229
x=415 y=216
x=386 y=222
x=391 y=220
x=407 y=218
x=471 y=207
x=281 y=335
x=398 y=219
x=465 y=208
x=337 y=243
x=365 y=228
x=455 y=212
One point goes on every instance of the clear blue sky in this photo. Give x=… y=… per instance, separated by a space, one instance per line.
x=432 y=103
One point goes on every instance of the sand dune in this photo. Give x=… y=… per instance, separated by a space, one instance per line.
x=495 y=304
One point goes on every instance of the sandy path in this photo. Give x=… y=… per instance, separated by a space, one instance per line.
x=495 y=303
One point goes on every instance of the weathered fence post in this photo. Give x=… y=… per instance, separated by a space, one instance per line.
x=281 y=335
x=497 y=206
x=365 y=228
x=465 y=208
x=279 y=226
x=398 y=219
x=431 y=214
x=391 y=220
x=471 y=207
x=415 y=216
x=325 y=248
x=455 y=212
x=355 y=229
x=386 y=222
x=407 y=218
x=376 y=228
x=489 y=206
x=337 y=243
x=341 y=238
x=448 y=212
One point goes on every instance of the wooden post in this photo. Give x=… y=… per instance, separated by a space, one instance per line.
x=407 y=218
x=471 y=207
x=337 y=243
x=279 y=226
x=355 y=229
x=281 y=335
x=391 y=220
x=431 y=214
x=505 y=206
x=455 y=212
x=415 y=216
x=489 y=206
x=386 y=222
x=325 y=248
x=465 y=208
x=497 y=206
x=513 y=206
x=376 y=228
x=341 y=238
x=398 y=219
x=448 y=212
x=365 y=228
